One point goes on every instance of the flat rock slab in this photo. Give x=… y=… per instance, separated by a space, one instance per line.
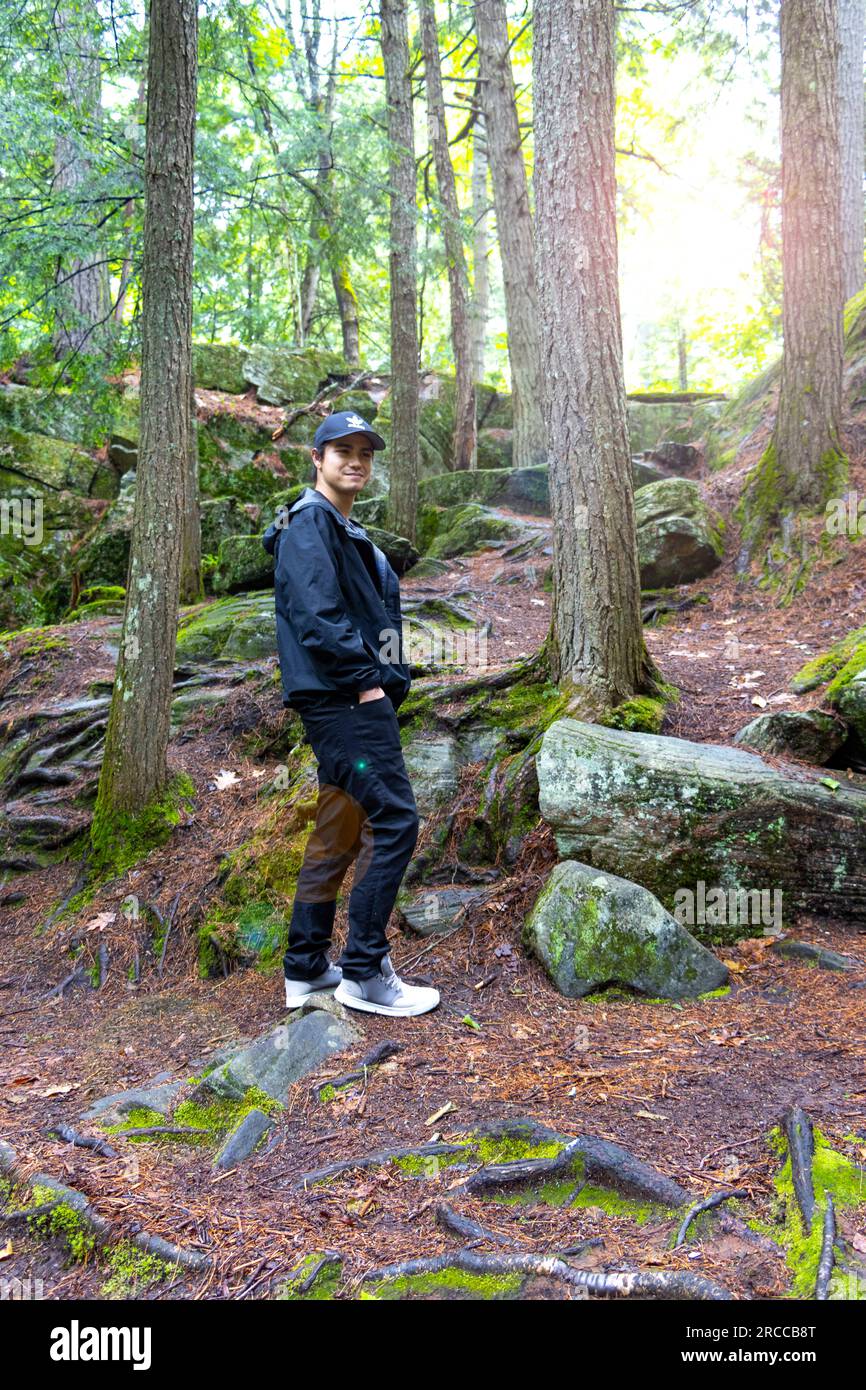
x=670 y=814
x=590 y=929
x=820 y=955
x=279 y=1058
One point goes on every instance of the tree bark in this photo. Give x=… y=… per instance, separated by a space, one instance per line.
x=134 y=771
x=403 y=493
x=806 y=437
x=598 y=641
x=465 y=432
x=82 y=303
x=514 y=229
x=480 y=250
x=852 y=18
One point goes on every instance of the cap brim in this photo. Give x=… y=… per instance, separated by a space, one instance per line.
x=377 y=440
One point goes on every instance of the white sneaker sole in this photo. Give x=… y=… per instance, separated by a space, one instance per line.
x=294 y=1001
x=369 y=1006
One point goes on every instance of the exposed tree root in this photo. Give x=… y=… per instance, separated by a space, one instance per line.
x=674 y=1284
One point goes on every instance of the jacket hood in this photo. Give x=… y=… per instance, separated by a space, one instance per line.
x=310 y=497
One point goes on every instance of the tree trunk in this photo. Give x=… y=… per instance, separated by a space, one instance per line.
x=807 y=452
x=82 y=302
x=852 y=14
x=347 y=304
x=480 y=249
x=598 y=638
x=465 y=433
x=134 y=772
x=514 y=229
x=403 y=494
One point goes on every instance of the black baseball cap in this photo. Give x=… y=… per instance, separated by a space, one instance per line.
x=344 y=422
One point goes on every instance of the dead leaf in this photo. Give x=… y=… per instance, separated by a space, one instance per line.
x=225 y=778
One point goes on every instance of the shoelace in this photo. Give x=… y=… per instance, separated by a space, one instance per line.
x=393 y=978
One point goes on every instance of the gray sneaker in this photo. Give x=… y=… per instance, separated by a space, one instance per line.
x=386 y=993
x=299 y=990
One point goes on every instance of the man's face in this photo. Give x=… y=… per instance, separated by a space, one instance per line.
x=345 y=464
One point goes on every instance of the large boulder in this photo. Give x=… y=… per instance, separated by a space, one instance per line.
x=590 y=929
x=243 y=628
x=243 y=564
x=522 y=489
x=52 y=465
x=679 y=538
x=463 y=530
x=673 y=815
x=290 y=376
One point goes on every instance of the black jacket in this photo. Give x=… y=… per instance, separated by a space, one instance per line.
x=339 y=624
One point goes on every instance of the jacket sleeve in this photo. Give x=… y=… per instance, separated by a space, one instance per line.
x=306 y=577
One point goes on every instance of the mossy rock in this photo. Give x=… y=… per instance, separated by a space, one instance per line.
x=522 y=489
x=463 y=530
x=843 y=668
x=590 y=929
x=239 y=627
x=679 y=538
x=52 y=464
x=242 y=564
x=222 y=517
x=219 y=367
x=291 y=376
x=669 y=814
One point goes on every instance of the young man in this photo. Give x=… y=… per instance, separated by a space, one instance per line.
x=339 y=634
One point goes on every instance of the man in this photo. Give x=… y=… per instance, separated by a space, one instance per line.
x=339 y=635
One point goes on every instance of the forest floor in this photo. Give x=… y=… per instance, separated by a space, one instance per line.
x=692 y=1088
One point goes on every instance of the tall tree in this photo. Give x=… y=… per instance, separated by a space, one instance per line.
x=82 y=306
x=598 y=646
x=134 y=774
x=480 y=249
x=323 y=240
x=465 y=431
x=852 y=20
x=514 y=229
x=405 y=443
x=803 y=465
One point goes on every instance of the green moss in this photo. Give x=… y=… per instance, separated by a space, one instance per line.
x=458 y=1283
x=119 y=839
x=221 y=1115
x=642 y=714
x=138 y=1118
x=323 y=1287
x=62 y=1222
x=828 y=664
x=133 y=1271
x=833 y=1174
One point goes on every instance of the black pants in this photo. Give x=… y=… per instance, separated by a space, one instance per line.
x=366 y=811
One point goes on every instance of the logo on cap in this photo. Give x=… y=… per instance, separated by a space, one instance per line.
x=356 y=421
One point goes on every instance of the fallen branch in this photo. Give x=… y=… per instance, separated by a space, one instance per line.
x=379 y=1054
x=82 y=1141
